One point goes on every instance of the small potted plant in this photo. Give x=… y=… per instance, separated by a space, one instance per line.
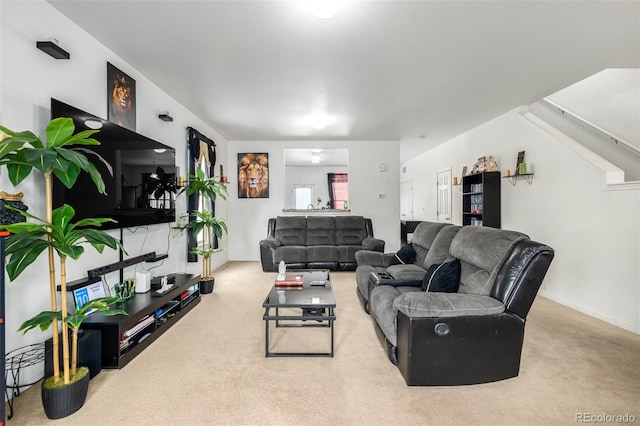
x=62 y=156
x=205 y=222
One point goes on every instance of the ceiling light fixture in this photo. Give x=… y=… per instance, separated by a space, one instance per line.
x=93 y=124
x=52 y=49
x=159 y=150
x=315 y=158
x=324 y=9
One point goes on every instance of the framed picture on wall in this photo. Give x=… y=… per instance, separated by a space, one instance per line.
x=253 y=175
x=121 y=95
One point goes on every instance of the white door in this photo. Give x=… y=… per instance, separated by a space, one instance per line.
x=444 y=196
x=301 y=196
x=406 y=200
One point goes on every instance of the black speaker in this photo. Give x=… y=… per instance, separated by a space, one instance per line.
x=89 y=352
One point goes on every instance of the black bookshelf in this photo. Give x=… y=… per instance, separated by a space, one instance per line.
x=148 y=317
x=481 y=199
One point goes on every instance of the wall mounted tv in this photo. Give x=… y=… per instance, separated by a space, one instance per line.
x=142 y=189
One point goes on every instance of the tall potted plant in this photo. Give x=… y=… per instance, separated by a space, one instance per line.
x=205 y=222
x=62 y=156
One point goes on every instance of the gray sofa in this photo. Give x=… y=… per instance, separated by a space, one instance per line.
x=317 y=242
x=472 y=336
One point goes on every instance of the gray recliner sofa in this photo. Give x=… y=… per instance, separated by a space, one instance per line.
x=317 y=242
x=474 y=335
x=386 y=266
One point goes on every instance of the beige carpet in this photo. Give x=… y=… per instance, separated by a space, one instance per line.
x=210 y=368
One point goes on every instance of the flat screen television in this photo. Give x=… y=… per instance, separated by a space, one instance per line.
x=142 y=189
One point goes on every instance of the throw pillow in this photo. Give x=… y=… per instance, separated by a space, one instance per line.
x=443 y=277
x=405 y=255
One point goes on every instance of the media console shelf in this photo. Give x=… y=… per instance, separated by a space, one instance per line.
x=125 y=336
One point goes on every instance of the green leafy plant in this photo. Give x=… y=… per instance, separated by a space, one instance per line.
x=205 y=222
x=44 y=320
x=62 y=156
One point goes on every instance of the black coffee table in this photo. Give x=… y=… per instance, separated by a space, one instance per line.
x=312 y=306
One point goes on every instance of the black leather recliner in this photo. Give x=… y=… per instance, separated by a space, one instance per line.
x=474 y=335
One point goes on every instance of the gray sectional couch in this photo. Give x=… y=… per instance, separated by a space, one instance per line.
x=317 y=242
x=472 y=336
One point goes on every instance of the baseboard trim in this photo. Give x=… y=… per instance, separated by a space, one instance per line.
x=589 y=312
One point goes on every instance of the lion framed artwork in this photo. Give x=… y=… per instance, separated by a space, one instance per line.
x=253 y=175
x=121 y=95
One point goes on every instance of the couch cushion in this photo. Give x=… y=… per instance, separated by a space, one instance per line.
x=481 y=251
x=350 y=231
x=381 y=307
x=347 y=253
x=406 y=254
x=426 y=304
x=321 y=231
x=323 y=254
x=291 y=231
x=441 y=245
x=290 y=254
x=406 y=272
x=443 y=277
x=423 y=237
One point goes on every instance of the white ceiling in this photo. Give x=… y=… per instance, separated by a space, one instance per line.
x=418 y=72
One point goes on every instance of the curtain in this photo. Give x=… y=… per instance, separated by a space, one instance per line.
x=338 y=189
x=201 y=148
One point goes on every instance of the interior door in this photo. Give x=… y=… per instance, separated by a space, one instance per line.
x=406 y=200
x=444 y=195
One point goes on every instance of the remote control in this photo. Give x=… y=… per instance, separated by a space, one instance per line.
x=318 y=283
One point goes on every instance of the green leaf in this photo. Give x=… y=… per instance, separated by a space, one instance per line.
x=20 y=259
x=10 y=145
x=58 y=131
x=62 y=216
x=98 y=156
x=41 y=159
x=43 y=321
x=74 y=252
x=61 y=163
x=95 y=236
x=94 y=221
x=77 y=158
x=82 y=138
x=96 y=177
x=68 y=178
x=101 y=304
x=18 y=171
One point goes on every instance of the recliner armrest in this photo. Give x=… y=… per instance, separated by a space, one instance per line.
x=373 y=258
x=446 y=305
x=270 y=242
x=372 y=243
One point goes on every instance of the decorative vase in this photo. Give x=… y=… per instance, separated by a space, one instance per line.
x=206 y=286
x=63 y=401
x=8 y=216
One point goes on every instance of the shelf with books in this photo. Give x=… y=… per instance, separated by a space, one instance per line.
x=481 y=199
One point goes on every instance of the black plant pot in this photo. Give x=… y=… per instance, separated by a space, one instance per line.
x=206 y=286
x=66 y=400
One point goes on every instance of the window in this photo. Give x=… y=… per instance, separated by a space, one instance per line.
x=338 y=189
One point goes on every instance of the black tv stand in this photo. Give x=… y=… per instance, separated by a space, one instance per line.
x=124 y=337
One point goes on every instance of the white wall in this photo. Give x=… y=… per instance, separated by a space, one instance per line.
x=29 y=78
x=248 y=217
x=593 y=232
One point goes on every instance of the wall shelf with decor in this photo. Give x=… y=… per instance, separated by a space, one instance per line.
x=481 y=199
x=514 y=178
